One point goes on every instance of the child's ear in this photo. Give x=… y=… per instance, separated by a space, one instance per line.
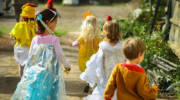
x=139 y=55
x=48 y=22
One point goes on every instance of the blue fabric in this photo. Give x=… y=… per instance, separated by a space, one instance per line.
x=42 y=78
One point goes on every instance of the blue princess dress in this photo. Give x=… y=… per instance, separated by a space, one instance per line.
x=42 y=78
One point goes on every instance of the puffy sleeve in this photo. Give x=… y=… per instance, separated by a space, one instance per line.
x=111 y=85
x=60 y=54
x=31 y=47
x=89 y=75
x=75 y=43
x=144 y=91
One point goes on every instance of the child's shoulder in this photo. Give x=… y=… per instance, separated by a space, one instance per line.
x=105 y=44
x=134 y=68
x=20 y=24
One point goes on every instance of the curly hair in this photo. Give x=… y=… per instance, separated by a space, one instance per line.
x=112 y=31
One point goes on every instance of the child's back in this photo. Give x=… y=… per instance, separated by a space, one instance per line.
x=53 y=40
x=111 y=56
x=88 y=41
x=101 y=64
x=128 y=78
x=86 y=50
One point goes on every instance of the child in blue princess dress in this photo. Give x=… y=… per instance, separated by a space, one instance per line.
x=42 y=78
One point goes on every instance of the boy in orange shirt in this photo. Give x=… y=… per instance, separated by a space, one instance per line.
x=128 y=78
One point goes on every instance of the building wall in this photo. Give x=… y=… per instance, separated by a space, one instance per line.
x=174 y=37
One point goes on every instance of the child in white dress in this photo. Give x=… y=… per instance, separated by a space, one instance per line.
x=101 y=64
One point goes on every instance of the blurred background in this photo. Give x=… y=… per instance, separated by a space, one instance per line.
x=156 y=22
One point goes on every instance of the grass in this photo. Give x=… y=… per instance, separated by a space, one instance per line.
x=4 y=30
x=60 y=33
x=1 y=33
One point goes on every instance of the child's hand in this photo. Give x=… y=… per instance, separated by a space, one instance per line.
x=155 y=87
x=11 y=36
x=66 y=70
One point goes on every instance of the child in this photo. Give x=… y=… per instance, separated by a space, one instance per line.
x=43 y=79
x=88 y=40
x=23 y=32
x=128 y=78
x=100 y=65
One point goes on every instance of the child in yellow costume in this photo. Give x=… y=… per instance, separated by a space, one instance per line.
x=23 y=32
x=88 y=41
x=129 y=79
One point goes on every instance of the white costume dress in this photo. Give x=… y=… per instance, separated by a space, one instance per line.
x=100 y=66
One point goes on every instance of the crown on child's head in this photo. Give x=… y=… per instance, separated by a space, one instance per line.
x=109 y=18
x=87 y=14
x=28 y=10
x=50 y=4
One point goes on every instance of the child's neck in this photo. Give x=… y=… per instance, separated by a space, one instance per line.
x=133 y=62
x=111 y=43
x=46 y=32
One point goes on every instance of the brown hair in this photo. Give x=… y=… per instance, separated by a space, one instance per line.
x=47 y=15
x=132 y=47
x=112 y=31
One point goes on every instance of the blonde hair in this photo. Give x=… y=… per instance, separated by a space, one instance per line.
x=89 y=28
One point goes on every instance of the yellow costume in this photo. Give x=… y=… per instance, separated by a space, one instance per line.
x=25 y=31
x=131 y=83
x=86 y=50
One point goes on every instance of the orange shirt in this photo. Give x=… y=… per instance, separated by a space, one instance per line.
x=131 y=83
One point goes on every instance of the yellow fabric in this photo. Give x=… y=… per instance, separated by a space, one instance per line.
x=130 y=85
x=24 y=32
x=28 y=11
x=86 y=49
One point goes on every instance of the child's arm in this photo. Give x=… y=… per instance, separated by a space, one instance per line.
x=60 y=55
x=31 y=47
x=111 y=85
x=145 y=91
x=75 y=43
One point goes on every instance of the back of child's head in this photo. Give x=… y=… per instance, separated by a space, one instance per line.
x=132 y=47
x=112 y=31
x=47 y=15
x=89 y=28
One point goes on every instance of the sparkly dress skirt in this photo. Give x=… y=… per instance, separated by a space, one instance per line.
x=42 y=78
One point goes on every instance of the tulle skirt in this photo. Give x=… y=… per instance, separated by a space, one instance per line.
x=99 y=95
x=42 y=78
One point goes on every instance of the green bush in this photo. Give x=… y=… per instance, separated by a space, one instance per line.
x=60 y=33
